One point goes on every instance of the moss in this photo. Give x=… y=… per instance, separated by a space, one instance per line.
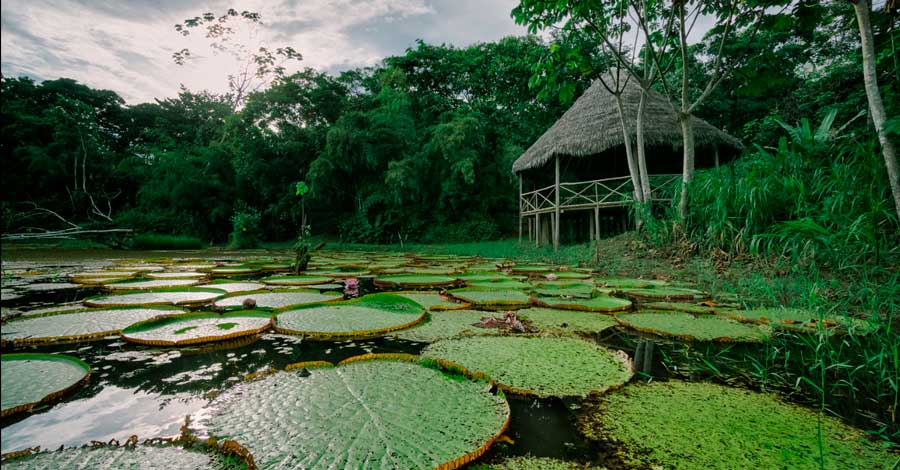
x=707 y=426
x=534 y=463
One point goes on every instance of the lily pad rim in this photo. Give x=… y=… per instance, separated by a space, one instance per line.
x=52 y=395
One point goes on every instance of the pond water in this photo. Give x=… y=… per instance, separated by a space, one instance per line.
x=147 y=391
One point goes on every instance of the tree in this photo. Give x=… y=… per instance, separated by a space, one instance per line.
x=257 y=66
x=876 y=106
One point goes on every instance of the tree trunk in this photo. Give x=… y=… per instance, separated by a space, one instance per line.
x=629 y=152
x=687 y=131
x=876 y=106
x=641 y=151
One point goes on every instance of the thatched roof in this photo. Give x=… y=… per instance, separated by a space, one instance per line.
x=592 y=126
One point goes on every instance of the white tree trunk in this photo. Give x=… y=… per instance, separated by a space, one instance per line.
x=641 y=151
x=687 y=131
x=629 y=152
x=876 y=106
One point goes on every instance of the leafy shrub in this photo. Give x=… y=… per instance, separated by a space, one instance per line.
x=245 y=225
x=475 y=230
x=156 y=241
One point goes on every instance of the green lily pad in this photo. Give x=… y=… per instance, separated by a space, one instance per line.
x=665 y=294
x=235 y=286
x=533 y=268
x=430 y=300
x=339 y=274
x=176 y=275
x=233 y=270
x=124 y=457
x=362 y=414
x=326 y=287
x=446 y=325
x=499 y=284
x=693 y=328
x=195 y=328
x=567 y=275
x=492 y=299
x=548 y=319
x=488 y=276
x=152 y=284
x=582 y=289
x=601 y=303
x=277 y=300
x=78 y=325
x=189 y=297
x=544 y=367
x=414 y=281
x=800 y=320
x=708 y=426
x=295 y=280
x=30 y=379
x=628 y=283
x=369 y=316
x=679 y=307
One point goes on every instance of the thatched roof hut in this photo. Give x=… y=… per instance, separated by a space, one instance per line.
x=592 y=126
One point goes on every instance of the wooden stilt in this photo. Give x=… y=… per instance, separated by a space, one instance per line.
x=521 y=218
x=537 y=229
x=556 y=209
x=597 y=222
x=716 y=154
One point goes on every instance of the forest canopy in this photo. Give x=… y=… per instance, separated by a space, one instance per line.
x=419 y=147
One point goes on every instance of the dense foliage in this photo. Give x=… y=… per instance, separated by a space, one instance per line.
x=420 y=147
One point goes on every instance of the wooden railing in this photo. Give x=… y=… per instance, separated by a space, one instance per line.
x=607 y=192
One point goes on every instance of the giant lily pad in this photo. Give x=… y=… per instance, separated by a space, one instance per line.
x=628 y=283
x=369 y=316
x=445 y=325
x=279 y=299
x=576 y=289
x=567 y=320
x=296 y=280
x=433 y=300
x=665 y=294
x=689 y=327
x=77 y=325
x=189 y=297
x=707 y=426
x=498 y=284
x=688 y=307
x=30 y=379
x=195 y=328
x=233 y=270
x=414 y=281
x=176 y=275
x=492 y=299
x=537 y=366
x=601 y=303
x=151 y=284
x=798 y=320
x=235 y=286
x=124 y=457
x=377 y=414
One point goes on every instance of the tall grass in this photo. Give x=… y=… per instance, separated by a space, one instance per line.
x=816 y=197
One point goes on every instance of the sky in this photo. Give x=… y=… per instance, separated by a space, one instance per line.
x=127 y=45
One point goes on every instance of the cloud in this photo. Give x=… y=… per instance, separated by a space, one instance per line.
x=127 y=46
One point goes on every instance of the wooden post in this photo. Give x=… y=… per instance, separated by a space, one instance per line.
x=597 y=222
x=537 y=229
x=556 y=197
x=520 y=208
x=716 y=154
x=591 y=226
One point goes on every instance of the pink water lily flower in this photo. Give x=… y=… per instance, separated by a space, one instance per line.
x=351 y=287
x=551 y=277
